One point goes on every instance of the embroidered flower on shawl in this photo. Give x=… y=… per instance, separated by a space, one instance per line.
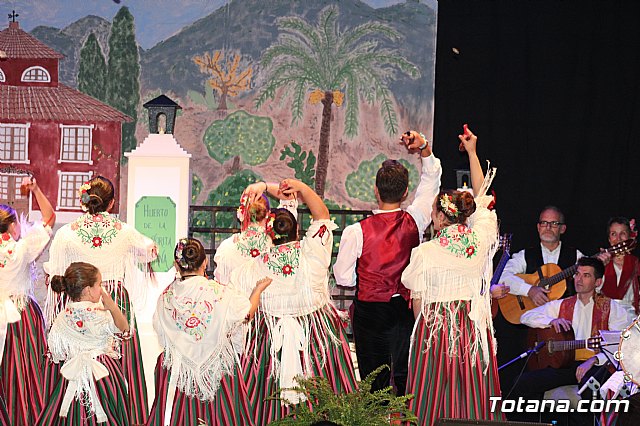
x=7 y=244
x=193 y=316
x=192 y=322
x=252 y=242
x=76 y=318
x=460 y=242
x=283 y=259
x=96 y=230
x=5 y=236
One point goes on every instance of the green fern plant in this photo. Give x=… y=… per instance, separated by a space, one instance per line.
x=359 y=408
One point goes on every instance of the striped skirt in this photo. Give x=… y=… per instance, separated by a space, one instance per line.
x=111 y=390
x=263 y=385
x=229 y=408
x=23 y=364
x=446 y=386
x=132 y=362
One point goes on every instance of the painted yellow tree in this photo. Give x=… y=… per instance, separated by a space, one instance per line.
x=227 y=77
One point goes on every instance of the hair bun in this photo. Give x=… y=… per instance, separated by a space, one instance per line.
x=467 y=204
x=58 y=283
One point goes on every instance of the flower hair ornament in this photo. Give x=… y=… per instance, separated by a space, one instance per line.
x=448 y=207
x=83 y=194
x=182 y=242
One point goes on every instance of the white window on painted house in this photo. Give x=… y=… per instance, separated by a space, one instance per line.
x=36 y=75
x=76 y=144
x=68 y=189
x=14 y=143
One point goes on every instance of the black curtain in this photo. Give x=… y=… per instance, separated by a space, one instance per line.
x=551 y=89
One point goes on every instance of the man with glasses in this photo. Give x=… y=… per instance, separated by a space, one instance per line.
x=512 y=339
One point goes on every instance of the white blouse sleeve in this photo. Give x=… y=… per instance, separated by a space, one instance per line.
x=35 y=240
x=413 y=275
x=316 y=249
x=238 y=306
x=484 y=222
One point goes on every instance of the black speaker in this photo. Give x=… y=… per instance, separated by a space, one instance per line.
x=465 y=422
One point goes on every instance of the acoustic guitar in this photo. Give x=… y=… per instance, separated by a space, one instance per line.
x=505 y=242
x=551 y=277
x=561 y=349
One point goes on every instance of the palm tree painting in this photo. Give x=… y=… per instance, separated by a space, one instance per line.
x=327 y=65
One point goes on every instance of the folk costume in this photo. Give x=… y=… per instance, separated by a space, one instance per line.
x=623 y=284
x=452 y=364
x=120 y=252
x=297 y=330
x=198 y=374
x=22 y=329
x=91 y=387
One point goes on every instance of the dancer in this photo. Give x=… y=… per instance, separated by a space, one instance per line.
x=22 y=335
x=297 y=329
x=118 y=250
x=91 y=388
x=452 y=364
x=197 y=376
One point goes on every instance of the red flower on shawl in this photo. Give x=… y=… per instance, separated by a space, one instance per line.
x=1 y=265
x=470 y=250
x=192 y=322
x=98 y=218
x=97 y=241
x=74 y=226
x=117 y=225
x=5 y=236
x=254 y=252
x=287 y=269
x=79 y=324
x=284 y=249
x=462 y=228
x=444 y=241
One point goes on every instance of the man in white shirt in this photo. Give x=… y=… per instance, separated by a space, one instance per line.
x=372 y=255
x=585 y=313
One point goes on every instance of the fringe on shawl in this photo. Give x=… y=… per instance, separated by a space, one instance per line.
x=202 y=380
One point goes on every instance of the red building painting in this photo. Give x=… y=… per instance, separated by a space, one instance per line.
x=59 y=134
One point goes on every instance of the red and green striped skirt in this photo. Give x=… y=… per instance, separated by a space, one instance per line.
x=229 y=408
x=111 y=390
x=23 y=364
x=132 y=362
x=337 y=369
x=446 y=386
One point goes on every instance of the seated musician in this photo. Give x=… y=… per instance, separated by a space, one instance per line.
x=585 y=313
x=512 y=338
x=622 y=274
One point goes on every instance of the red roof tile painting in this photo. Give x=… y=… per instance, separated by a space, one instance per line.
x=19 y=44
x=54 y=103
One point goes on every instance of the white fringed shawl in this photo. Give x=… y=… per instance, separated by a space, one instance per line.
x=195 y=320
x=300 y=287
x=118 y=250
x=81 y=333
x=238 y=249
x=457 y=266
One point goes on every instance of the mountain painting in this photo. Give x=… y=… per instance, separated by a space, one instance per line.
x=317 y=90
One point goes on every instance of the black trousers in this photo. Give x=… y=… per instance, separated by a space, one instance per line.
x=533 y=384
x=382 y=331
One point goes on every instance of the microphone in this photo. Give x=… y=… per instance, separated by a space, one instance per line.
x=532 y=350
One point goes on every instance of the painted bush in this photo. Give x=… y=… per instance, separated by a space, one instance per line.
x=240 y=133
x=360 y=184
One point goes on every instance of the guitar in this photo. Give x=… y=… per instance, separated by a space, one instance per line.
x=551 y=277
x=505 y=242
x=560 y=349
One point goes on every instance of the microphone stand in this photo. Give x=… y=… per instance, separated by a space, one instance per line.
x=529 y=352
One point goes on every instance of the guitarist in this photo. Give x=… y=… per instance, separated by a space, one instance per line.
x=622 y=274
x=586 y=313
x=512 y=339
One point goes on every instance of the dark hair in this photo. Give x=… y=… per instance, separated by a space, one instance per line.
x=259 y=209
x=619 y=220
x=392 y=181
x=100 y=194
x=595 y=263
x=7 y=217
x=77 y=276
x=462 y=200
x=285 y=226
x=554 y=209
x=189 y=255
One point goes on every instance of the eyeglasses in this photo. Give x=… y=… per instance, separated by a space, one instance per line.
x=553 y=224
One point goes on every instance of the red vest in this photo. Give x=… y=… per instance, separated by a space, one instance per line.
x=630 y=277
x=388 y=239
x=601 y=310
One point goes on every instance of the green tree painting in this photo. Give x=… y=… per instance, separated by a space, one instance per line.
x=123 y=72
x=92 y=72
x=335 y=65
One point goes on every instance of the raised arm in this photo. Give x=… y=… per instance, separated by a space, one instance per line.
x=290 y=187
x=255 y=190
x=469 y=141
x=48 y=215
